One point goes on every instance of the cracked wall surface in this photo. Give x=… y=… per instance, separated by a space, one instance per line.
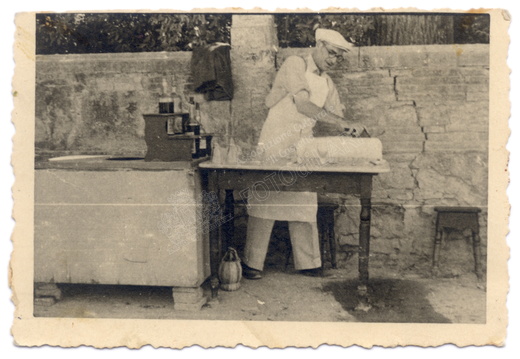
x=432 y=105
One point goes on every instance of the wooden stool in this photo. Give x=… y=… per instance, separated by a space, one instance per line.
x=458 y=218
x=325 y=223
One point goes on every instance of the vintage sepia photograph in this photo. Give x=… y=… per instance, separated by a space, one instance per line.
x=286 y=169
x=138 y=129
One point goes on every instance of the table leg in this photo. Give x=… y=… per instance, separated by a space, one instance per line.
x=322 y=234
x=332 y=242
x=437 y=249
x=364 y=241
x=214 y=225
x=477 y=255
x=228 y=221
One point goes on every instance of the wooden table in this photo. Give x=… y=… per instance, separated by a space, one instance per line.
x=353 y=178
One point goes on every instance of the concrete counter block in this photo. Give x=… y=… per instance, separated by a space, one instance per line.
x=133 y=227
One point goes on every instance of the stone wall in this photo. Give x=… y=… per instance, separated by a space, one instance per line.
x=428 y=103
x=431 y=105
x=93 y=103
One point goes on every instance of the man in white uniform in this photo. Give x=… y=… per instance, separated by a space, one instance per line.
x=302 y=94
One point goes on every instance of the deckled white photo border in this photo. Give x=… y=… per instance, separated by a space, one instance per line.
x=134 y=333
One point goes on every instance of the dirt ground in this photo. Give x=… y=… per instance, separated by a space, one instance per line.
x=395 y=295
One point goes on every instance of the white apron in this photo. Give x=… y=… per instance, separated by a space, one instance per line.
x=283 y=129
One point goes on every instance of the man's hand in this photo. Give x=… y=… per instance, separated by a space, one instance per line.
x=354 y=129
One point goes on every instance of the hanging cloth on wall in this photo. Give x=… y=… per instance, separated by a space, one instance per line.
x=211 y=71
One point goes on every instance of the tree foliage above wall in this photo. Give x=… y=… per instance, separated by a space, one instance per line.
x=385 y=30
x=69 y=33
x=128 y=32
x=298 y=30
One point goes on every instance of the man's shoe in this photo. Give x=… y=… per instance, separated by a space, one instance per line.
x=250 y=273
x=314 y=272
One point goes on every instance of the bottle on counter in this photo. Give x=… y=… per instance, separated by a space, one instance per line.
x=203 y=146
x=177 y=101
x=166 y=103
x=193 y=129
x=232 y=155
x=195 y=149
x=217 y=154
x=191 y=108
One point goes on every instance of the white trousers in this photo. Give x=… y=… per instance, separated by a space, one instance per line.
x=304 y=241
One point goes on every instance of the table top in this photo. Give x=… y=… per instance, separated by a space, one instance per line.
x=183 y=136
x=457 y=209
x=111 y=163
x=348 y=166
x=171 y=114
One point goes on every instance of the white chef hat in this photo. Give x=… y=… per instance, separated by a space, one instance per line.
x=334 y=38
